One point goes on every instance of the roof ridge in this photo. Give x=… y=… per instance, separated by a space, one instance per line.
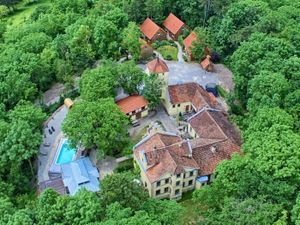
x=217 y=124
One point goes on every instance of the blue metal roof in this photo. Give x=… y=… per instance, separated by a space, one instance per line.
x=80 y=174
x=202 y=179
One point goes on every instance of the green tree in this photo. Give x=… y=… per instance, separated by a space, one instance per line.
x=237 y=24
x=50 y=208
x=21 y=217
x=98 y=83
x=10 y=4
x=6 y=209
x=275 y=152
x=123 y=188
x=165 y=211
x=266 y=89
x=131 y=40
x=203 y=41
x=296 y=212
x=153 y=90
x=292 y=105
x=80 y=47
x=245 y=212
x=97 y=124
x=154 y=10
x=130 y=77
x=20 y=144
x=89 y=205
x=265 y=118
x=28 y=112
x=106 y=36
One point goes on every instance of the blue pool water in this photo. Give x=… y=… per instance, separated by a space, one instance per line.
x=66 y=153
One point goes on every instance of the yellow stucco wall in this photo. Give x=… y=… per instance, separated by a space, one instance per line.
x=144 y=114
x=192 y=132
x=174 y=111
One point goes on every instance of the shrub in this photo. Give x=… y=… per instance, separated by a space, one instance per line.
x=124 y=166
x=3 y=11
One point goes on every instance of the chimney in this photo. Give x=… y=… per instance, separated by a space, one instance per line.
x=213 y=149
x=190 y=148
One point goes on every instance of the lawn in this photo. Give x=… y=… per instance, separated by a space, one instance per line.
x=23 y=12
x=168 y=52
x=192 y=210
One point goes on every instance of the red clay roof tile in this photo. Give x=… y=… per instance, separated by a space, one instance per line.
x=157 y=66
x=149 y=28
x=188 y=41
x=132 y=103
x=173 y=24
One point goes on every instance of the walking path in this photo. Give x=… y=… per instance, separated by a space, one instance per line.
x=180 y=52
x=50 y=142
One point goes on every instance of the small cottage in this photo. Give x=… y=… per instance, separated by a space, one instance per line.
x=151 y=31
x=134 y=106
x=207 y=64
x=173 y=26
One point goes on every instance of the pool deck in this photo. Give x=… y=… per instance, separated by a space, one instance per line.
x=47 y=154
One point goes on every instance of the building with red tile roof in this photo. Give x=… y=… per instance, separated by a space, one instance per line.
x=134 y=106
x=151 y=31
x=188 y=42
x=157 y=65
x=187 y=97
x=170 y=165
x=212 y=124
x=206 y=64
x=173 y=26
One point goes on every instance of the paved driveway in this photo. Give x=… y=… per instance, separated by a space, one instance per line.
x=182 y=72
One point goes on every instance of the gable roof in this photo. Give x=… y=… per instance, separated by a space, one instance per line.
x=165 y=154
x=80 y=174
x=157 y=66
x=132 y=103
x=56 y=184
x=213 y=124
x=149 y=28
x=191 y=92
x=188 y=41
x=206 y=62
x=173 y=24
x=209 y=156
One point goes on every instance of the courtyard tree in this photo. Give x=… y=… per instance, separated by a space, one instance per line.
x=153 y=90
x=130 y=77
x=98 y=124
x=131 y=40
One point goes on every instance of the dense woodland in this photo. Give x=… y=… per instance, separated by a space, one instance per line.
x=258 y=39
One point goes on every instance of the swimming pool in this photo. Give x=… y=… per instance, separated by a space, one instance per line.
x=66 y=153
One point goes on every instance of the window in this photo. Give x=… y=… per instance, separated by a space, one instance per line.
x=190 y=182
x=183 y=175
x=178 y=175
x=183 y=184
x=167 y=181
x=158 y=184
x=157 y=192
x=173 y=106
x=190 y=128
x=166 y=190
x=145 y=184
x=177 y=183
x=177 y=192
x=191 y=173
x=67 y=190
x=178 y=105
